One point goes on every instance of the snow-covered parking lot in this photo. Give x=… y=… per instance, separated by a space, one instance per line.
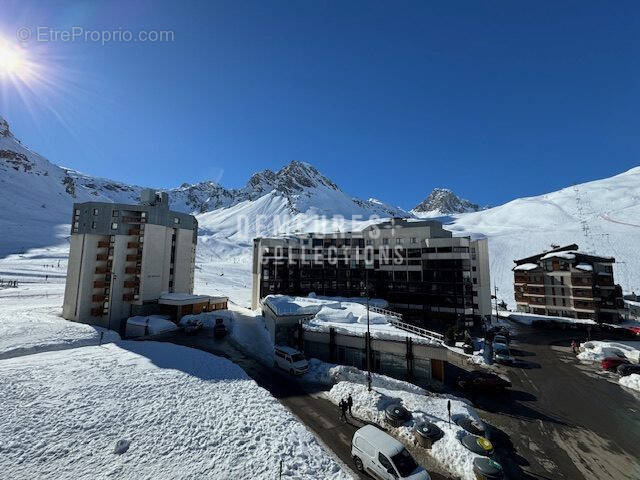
x=184 y=414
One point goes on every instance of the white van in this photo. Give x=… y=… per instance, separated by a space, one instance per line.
x=291 y=360
x=383 y=457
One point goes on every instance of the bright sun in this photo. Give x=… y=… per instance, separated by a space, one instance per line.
x=13 y=61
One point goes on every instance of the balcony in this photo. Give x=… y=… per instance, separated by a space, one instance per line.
x=103 y=244
x=132 y=270
x=131 y=283
x=100 y=284
x=581 y=281
x=134 y=258
x=98 y=298
x=131 y=220
x=133 y=245
x=102 y=257
x=96 y=312
x=127 y=297
x=102 y=270
x=134 y=231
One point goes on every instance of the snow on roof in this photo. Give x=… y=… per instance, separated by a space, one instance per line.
x=286 y=305
x=184 y=298
x=564 y=255
x=526 y=266
x=285 y=349
x=585 y=266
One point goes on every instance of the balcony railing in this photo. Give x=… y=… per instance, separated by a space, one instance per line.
x=98 y=298
x=96 y=312
x=131 y=283
x=133 y=258
x=102 y=270
x=133 y=244
x=132 y=270
x=134 y=231
x=103 y=244
x=100 y=284
x=127 y=297
x=102 y=257
x=132 y=220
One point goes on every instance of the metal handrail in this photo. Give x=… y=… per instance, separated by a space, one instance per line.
x=396 y=321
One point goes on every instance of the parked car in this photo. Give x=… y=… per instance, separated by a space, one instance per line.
x=481 y=381
x=501 y=354
x=500 y=339
x=382 y=456
x=611 y=363
x=219 y=330
x=497 y=330
x=627 y=369
x=191 y=325
x=291 y=360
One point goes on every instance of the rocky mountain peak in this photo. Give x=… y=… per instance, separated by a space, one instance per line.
x=297 y=176
x=4 y=128
x=445 y=201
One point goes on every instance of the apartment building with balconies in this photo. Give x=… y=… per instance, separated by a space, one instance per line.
x=421 y=269
x=123 y=257
x=565 y=282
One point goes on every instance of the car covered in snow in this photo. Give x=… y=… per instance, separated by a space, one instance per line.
x=481 y=381
x=291 y=360
x=612 y=363
x=627 y=369
x=382 y=456
x=191 y=325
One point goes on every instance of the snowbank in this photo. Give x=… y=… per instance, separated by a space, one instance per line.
x=424 y=405
x=595 y=351
x=526 y=267
x=147 y=410
x=27 y=328
x=529 y=318
x=631 y=381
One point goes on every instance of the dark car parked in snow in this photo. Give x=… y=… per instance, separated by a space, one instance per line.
x=611 y=363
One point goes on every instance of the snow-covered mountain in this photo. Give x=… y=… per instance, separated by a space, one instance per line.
x=442 y=201
x=602 y=216
x=38 y=196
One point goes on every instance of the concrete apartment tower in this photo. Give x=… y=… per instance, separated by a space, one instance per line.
x=123 y=257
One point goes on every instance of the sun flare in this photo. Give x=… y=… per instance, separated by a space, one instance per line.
x=13 y=61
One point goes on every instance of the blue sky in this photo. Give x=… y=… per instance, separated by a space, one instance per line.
x=495 y=100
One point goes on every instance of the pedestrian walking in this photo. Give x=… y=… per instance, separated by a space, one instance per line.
x=574 y=347
x=350 y=404
x=343 y=410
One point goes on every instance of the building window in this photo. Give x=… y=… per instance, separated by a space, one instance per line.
x=77 y=211
x=76 y=224
x=114 y=226
x=143 y=214
x=385 y=241
x=369 y=241
x=414 y=240
x=176 y=220
x=95 y=211
x=93 y=224
x=399 y=241
x=116 y=213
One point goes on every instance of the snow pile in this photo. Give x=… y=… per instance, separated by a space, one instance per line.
x=585 y=267
x=529 y=318
x=595 y=351
x=563 y=255
x=424 y=406
x=631 y=381
x=149 y=325
x=36 y=326
x=183 y=413
x=208 y=319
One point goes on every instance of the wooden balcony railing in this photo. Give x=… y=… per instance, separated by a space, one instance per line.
x=100 y=284
x=133 y=245
x=103 y=244
x=102 y=257
x=131 y=283
x=98 y=298
x=133 y=258
x=134 y=231
x=127 y=297
x=132 y=270
x=102 y=270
